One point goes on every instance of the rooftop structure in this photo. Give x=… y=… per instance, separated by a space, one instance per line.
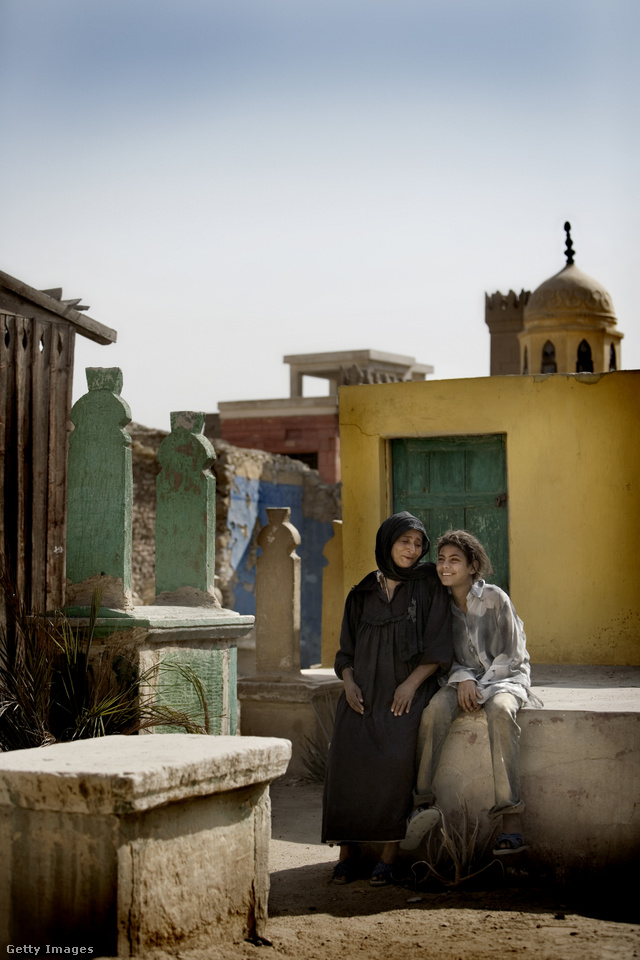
x=306 y=428
x=353 y=366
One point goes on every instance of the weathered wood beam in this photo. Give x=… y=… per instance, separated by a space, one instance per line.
x=19 y=297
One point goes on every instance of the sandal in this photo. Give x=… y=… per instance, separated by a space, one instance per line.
x=382 y=874
x=422 y=820
x=345 y=871
x=509 y=843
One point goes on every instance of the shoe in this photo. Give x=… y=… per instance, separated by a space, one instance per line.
x=382 y=874
x=421 y=821
x=509 y=843
x=345 y=871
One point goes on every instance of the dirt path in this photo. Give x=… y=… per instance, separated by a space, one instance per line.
x=312 y=919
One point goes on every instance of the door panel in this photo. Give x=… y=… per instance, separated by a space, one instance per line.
x=456 y=483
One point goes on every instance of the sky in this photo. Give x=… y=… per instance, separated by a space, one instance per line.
x=226 y=182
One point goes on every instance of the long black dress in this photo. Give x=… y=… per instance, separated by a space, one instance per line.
x=371 y=762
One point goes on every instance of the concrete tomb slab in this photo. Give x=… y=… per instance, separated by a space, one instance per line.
x=122 y=844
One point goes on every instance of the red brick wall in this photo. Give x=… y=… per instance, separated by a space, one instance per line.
x=290 y=435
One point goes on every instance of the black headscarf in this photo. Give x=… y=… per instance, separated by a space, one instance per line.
x=411 y=635
x=392 y=528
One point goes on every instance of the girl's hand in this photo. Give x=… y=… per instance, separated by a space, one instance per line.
x=468 y=695
x=403 y=698
x=353 y=694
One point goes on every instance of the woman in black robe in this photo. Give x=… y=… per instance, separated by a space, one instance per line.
x=395 y=637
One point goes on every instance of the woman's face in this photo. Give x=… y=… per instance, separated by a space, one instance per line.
x=406 y=549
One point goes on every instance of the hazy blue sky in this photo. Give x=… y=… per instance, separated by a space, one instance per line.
x=229 y=181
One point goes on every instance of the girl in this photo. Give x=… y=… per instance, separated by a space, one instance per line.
x=490 y=672
x=396 y=635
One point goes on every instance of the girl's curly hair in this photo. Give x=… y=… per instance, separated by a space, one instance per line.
x=471 y=547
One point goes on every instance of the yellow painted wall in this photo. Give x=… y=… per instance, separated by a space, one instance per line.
x=573 y=474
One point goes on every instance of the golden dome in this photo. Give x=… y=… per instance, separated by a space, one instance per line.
x=568 y=297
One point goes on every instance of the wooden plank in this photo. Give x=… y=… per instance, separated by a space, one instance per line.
x=40 y=387
x=4 y=375
x=63 y=430
x=62 y=353
x=19 y=297
x=36 y=365
x=479 y=441
x=10 y=491
x=457 y=498
x=5 y=324
x=21 y=356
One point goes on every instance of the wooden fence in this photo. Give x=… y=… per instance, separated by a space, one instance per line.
x=36 y=373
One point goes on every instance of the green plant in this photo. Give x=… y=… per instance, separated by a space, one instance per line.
x=456 y=853
x=315 y=750
x=27 y=653
x=314 y=759
x=58 y=683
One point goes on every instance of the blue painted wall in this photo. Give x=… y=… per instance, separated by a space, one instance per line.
x=247 y=515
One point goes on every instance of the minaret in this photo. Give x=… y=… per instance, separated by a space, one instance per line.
x=569 y=324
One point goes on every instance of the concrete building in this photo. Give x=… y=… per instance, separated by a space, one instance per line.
x=306 y=428
x=567 y=325
x=542 y=469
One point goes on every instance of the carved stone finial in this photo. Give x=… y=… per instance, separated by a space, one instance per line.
x=104 y=378
x=569 y=251
x=185 y=512
x=189 y=420
x=278 y=595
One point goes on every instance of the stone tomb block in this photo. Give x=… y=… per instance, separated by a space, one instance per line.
x=301 y=709
x=579 y=772
x=122 y=844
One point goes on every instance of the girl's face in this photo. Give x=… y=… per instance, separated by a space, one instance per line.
x=453 y=567
x=406 y=549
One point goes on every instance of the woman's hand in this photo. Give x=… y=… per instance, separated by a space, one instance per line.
x=468 y=695
x=403 y=698
x=406 y=691
x=352 y=691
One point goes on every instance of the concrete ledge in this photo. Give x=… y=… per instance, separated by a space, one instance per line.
x=126 y=843
x=284 y=407
x=299 y=707
x=609 y=688
x=580 y=767
x=293 y=689
x=211 y=622
x=117 y=775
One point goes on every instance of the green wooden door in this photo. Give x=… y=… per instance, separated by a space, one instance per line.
x=456 y=483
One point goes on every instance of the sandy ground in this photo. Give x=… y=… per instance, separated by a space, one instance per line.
x=311 y=918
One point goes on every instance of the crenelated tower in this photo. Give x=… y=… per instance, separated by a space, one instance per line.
x=504 y=315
